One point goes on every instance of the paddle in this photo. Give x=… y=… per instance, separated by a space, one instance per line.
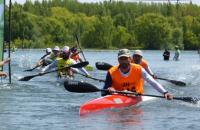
x=83 y=87
x=78 y=65
x=100 y=80
x=106 y=66
x=42 y=58
x=32 y=68
x=180 y=83
x=80 y=47
x=103 y=66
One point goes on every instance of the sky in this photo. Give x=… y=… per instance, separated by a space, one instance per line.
x=184 y=1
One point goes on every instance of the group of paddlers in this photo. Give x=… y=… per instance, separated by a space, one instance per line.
x=57 y=58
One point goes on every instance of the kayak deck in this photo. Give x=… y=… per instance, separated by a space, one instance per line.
x=110 y=101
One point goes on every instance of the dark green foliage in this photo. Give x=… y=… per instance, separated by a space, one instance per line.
x=104 y=25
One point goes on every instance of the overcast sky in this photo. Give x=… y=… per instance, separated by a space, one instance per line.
x=22 y=1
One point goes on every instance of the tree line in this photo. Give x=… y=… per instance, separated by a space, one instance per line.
x=106 y=25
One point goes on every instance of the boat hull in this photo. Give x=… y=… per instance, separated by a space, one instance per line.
x=110 y=101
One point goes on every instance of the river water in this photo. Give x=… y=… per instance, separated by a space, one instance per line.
x=43 y=103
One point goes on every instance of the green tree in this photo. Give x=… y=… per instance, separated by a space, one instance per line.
x=121 y=37
x=152 y=30
x=101 y=35
x=177 y=38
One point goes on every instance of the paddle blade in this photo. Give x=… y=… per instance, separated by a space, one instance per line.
x=29 y=69
x=193 y=100
x=80 y=65
x=27 y=78
x=103 y=66
x=179 y=83
x=80 y=87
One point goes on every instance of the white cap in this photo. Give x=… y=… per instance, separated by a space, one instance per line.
x=56 y=48
x=48 y=50
x=138 y=52
x=65 y=49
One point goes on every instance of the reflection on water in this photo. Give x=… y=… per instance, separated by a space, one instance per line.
x=120 y=116
x=130 y=117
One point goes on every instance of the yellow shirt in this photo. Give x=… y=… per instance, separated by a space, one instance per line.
x=64 y=63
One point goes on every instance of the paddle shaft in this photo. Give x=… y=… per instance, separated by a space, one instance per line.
x=106 y=66
x=40 y=74
x=100 y=80
x=78 y=65
x=32 y=68
x=185 y=99
x=83 y=87
x=180 y=83
x=27 y=78
x=148 y=95
x=42 y=58
x=167 y=79
x=80 y=47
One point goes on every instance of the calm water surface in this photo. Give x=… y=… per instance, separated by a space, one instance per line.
x=43 y=103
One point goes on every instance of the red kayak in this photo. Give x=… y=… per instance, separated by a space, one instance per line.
x=110 y=101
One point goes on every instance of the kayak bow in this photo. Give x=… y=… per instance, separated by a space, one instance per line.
x=110 y=102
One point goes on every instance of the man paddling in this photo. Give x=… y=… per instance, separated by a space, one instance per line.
x=137 y=58
x=75 y=56
x=56 y=54
x=64 y=62
x=128 y=77
x=44 y=60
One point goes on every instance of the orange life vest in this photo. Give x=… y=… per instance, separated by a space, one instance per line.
x=144 y=64
x=132 y=82
x=76 y=57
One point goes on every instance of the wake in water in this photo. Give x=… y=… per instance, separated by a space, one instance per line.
x=25 y=61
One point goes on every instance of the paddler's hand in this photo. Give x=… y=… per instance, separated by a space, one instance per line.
x=154 y=76
x=168 y=96
x=6 y=61
x=88 y=76
x=41 y=73
x=111 y=90
x=3 y=74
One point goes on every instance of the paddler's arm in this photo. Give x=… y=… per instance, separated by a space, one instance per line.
x=148 y=69
x=156 y=85
x=4 y=61
x=84 y=71
x=3 y=74
x=43 y=56
x=50 y=66
x=80 y=59
x=108 y=83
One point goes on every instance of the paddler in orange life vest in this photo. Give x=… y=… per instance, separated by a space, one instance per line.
x=137 y=59
x=75 y=56
x=128 y=77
